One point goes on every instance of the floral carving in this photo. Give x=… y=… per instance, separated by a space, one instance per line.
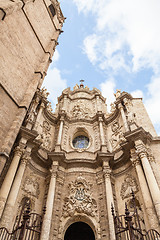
x=31 y=186
x=128 y=186
x=79 y=199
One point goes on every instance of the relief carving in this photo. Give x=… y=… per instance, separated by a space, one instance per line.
x=45 y=136
x=128 y=186
x=80 y=110
x=31 y=186
x=117 y=136
x=80 y=199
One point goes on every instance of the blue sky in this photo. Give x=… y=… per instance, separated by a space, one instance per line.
x=111 y=44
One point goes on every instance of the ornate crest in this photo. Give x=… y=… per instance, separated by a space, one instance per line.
x=128 y=186
x=79 y=199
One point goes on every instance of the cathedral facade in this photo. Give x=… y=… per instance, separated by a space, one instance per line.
x=66 y=175
x=80 y=160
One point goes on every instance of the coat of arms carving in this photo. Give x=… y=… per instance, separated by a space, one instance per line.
x=80 y=199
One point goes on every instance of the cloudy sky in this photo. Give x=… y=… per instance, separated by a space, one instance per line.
x=111 y=44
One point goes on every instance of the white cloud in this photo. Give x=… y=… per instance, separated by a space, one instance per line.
x=127 y=26
x=90 y=44
x=56 y=56
x=55 y=84
x=137 y=94
x=152 y=102
x=108 y=89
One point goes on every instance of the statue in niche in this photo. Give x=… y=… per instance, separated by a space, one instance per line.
x=79 y=199
x=31 y=186
x=117 y=137
x=128 y=186
x=45 y=136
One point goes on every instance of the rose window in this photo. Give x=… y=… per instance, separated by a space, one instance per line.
x=80 y=142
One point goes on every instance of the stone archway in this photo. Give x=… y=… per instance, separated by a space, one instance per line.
x=79 y=231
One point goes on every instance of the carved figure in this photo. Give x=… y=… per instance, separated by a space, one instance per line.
x=128 y=186
x=117 y=137
x=31 y=186
x=45 y=136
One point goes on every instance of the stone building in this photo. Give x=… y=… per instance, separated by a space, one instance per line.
x=29 y=31
x=70 y=165
x=81 y=159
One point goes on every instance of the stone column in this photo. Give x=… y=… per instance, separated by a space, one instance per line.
x=39 y=116
x=102 y=136
x=45 y=233
x=120 y=107
x=60 y=131
x=151 y=180
x=109 y=198
x=148 y=204
x=5 y=188
x=7 y=220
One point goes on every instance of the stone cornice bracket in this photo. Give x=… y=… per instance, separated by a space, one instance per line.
x=57 y=157
x=106 y=159
x=138 y=134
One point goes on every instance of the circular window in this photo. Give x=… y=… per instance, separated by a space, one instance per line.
x=80 y=142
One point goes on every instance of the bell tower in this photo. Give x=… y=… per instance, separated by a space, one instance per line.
x=29 y=35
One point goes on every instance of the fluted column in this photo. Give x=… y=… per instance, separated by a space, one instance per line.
x=109 y=198
x=123 y=117
x=5 y=188
x=148 y=204
x=151 y=180
x=49 y=204
x=9 y=208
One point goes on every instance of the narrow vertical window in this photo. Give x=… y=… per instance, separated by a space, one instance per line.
x=52 y=10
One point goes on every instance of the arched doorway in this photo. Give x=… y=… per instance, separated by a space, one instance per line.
x=79 y=231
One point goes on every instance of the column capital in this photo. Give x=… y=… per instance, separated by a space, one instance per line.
x=134 y=157
x=141 y=149
x=25 y=158
x=107 y=172
x=54 y=168
x=19 y=150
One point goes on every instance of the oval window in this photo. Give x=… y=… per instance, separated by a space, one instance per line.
x=80 y=142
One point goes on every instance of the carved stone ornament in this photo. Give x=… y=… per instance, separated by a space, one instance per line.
x=128 y=186
x=31 y=186
x=117 y=94
x=117 y=137
x=81 y=111
x=45 y=136
x=79 y=199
